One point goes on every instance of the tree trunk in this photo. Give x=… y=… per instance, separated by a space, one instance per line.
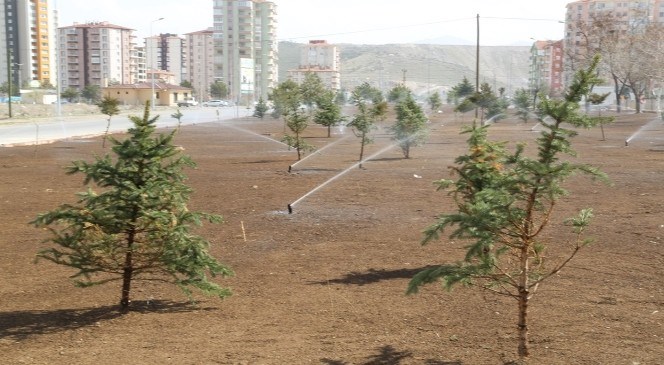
x=127 y=274
x=329 y=131
x=126 y=282
x=523 y=304
x=362 y=150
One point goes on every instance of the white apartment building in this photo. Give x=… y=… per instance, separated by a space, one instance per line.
x=200 y=65
x=322 y=59
x=245 y=45
x=167 y=52
x=97 y=53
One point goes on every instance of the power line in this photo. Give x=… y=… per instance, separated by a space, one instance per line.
x=416 y=25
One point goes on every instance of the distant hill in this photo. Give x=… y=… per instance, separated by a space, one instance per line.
x=428 y=66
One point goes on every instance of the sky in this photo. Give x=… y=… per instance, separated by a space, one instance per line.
x=502 y=22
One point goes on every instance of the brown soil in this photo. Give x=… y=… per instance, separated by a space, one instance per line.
x=325 y=285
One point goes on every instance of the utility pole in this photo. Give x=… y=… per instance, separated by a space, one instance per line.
x=9 y=80
x=477 y=64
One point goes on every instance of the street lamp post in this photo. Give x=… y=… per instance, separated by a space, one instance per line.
x=151 y=64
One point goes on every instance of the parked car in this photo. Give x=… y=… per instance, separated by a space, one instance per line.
x=215 y=103
x=187 y=102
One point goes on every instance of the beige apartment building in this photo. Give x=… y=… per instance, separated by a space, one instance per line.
x=245 y=48
x=322 y=59
x=200 y=65
x=97 y=53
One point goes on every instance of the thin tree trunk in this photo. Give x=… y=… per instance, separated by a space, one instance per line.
x=126 y=281
x=329 y=131
x=523 y=304
x=108 y=126
x=126 y=276
x=362 y=150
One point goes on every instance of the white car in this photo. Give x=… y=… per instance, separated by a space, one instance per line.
x=215 y=103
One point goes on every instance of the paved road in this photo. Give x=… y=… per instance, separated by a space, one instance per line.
x=48 y=130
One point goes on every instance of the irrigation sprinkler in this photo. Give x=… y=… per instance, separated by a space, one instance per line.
x=290 y=167
x=626 y=142
x=290 y=209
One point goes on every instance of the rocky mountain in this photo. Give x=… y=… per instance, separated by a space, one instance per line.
x=424 y=67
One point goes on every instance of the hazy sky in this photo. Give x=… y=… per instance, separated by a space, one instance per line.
x=502 y=22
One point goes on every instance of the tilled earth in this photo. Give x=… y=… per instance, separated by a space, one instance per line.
x=326 y=284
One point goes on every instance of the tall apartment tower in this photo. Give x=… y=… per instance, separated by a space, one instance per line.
x=245 y=45
x=546 y=67
x=200 y=66
x=97 y=53
x=322 y=59
x=27 y=33
x=167 y=52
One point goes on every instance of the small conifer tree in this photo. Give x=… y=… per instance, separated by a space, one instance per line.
x=178 y=116
x=367 y=115
x=137 y=227
x=410 y=127
x=108 y=106
x=505 y=201
x=297 y=121
x=261 y=108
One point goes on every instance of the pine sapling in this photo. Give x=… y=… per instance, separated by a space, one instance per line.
x=505 y=201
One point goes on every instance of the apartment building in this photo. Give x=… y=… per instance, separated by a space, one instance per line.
x=95 y=53
x=27 y=33
x=632 y=15
x=245 y=46
x=167 y=52
x=200 y=65
x=322 y=59
x=546 y=67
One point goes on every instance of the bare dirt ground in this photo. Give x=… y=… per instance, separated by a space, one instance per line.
x=325 y=285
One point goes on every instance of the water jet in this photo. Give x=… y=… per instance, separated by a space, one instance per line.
x=355 y=165
x=317 y=152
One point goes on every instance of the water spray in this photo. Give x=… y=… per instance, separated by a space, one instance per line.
x=316 y=152
x=290 y=206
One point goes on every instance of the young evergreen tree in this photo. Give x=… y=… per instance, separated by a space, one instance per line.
x=328 y=113
x=505 y=201
x=523 y=104
x=260 y=109
x=109 y=106
x=435 y=102
x=178 y=116
x=597 y=99
x=368 y=113
x=311 y=90
x=410 y=127
x=137 y=227
x=297 y=121
x=399 y=93
x=285 y=97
